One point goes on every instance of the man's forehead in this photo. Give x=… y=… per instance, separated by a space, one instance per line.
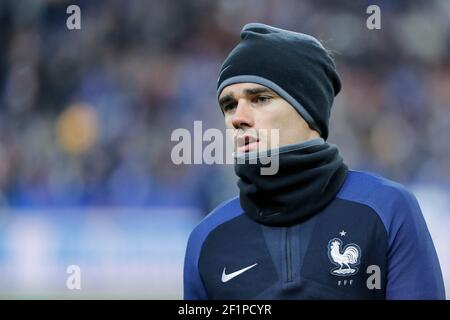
x=241 y=88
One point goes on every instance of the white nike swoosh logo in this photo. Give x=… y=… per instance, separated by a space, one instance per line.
x=228 y=277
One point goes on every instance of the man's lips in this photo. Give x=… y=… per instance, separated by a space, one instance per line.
x=246 y=143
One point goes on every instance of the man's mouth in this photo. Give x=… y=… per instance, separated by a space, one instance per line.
x=247 y=143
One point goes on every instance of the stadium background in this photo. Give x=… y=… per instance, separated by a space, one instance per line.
x=86 y=118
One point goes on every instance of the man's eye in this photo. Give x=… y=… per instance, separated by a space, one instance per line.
x=229 y=107
x=262 y=99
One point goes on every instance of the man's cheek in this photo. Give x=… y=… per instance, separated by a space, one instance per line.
x=228 y=124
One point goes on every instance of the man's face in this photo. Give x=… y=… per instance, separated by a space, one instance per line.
x=249 y=107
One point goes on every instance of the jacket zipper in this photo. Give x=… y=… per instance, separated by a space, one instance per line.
x=288 y=256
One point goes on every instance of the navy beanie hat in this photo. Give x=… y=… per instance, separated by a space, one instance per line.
x=294 y=65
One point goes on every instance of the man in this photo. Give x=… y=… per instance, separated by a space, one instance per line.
x=315 y=229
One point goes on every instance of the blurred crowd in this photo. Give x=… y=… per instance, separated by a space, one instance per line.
x=86 y=115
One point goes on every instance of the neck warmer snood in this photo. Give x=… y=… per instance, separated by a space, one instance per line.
x=309 y=176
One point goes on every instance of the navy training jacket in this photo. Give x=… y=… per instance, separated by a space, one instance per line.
x=370 y=242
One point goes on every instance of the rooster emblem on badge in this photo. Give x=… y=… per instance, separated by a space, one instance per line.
x=345 y=260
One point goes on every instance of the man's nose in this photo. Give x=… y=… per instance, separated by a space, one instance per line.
x=243 y=116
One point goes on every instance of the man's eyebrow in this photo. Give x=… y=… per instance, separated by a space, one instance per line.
x=248 y=92
x=226 y=98
x=258 y=90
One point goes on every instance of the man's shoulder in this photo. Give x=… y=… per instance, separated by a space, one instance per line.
x=364 y=183
x=386 y=197
x=224 y=212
